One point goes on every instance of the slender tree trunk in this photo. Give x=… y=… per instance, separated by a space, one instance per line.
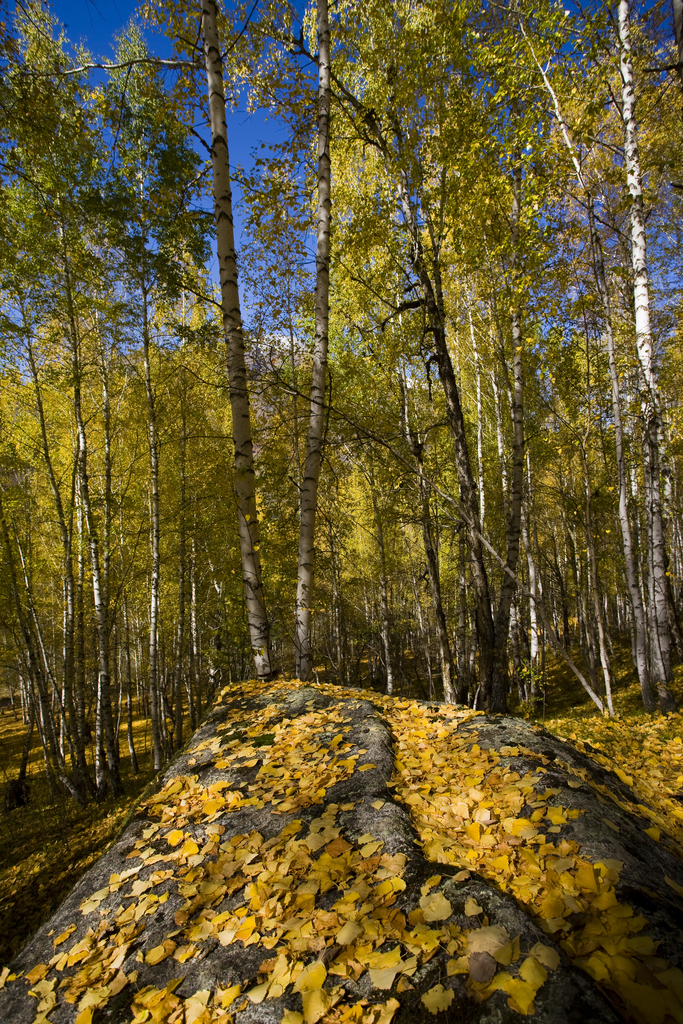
x=464 y=673
x=309 y=487
x=155 y=537
x=180 y=633
x=195 y=668
x=66 y=530
x=480 y=420
x=35 y=671
x=445 y=655
x=259 y=626
x=498 y=700
x=383 y=593
x=593 y=586
x=633 y=583
x=26 y=749
x=129 y=692
x=104 y=709
x=660 y=654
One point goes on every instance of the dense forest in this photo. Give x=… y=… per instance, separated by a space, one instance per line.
x=419 y=431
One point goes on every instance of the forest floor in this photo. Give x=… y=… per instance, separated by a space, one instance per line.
x=47 y=846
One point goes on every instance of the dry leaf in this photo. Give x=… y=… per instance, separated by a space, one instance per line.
x=312 y=977
x=437 y=998
x=437 y=908
x=549 y=957
x=472 y=908
x=482 y=966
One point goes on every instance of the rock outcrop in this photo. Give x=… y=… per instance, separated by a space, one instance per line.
x=318 y=854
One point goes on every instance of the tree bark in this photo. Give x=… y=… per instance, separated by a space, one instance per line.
x=155 y=710
x=259 y=626
x=104 y=711
x=66 y=531
x=660 y=643
x=633 y=583
x=180 y=632
x=445 y=654
x=309 y=488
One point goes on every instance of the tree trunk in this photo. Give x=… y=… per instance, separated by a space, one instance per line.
x=498 y=698
x=259 y=626
x=480 y=420
x=633 y=583
x=309 y=488
x=66 y=532
x=383 y=593
x=445 y=655
x=180 y=633
x=660 y=654
x=105 y=720
x=129 y=692
x=155 y=711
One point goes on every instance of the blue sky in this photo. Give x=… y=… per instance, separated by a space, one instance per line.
x=95 y=23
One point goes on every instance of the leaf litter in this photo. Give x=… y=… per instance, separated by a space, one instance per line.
x=320 y=903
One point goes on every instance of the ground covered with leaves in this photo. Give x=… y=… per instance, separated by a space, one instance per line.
x=48 y=844
x=323 y=855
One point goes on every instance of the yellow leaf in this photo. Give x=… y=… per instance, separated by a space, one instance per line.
x=159 y=953
x=229 y=995
x=387 y=1010
x=312 y=977
x=472 y=907
x=546 y=955
x=189 y=848
x=246 y=929
x=436 y=907
x=211 y=806
x=653 y=833
x=521 y=993
x=380 y=961
x=384 y=978
x=487 y=940
x=175 y=837
x=586 y=878
x=533 y=972
x=85 y=1016
x=509 y=953
x=377 y=804
x=37 y=973
x=292 y=1017
x=370 y=848
x=552 y=906
x=317 y=1002
x=64 y=936
x=437 y=999
x=349 y=933
x=258 y=993
x=669 y=881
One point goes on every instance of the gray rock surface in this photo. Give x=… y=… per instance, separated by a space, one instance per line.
x=356 y=810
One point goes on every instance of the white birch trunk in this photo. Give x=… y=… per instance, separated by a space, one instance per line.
x=156 y=712
x=480 y=423
x=660 y=653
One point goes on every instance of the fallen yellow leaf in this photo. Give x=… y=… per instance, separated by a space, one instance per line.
x=437 y=999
